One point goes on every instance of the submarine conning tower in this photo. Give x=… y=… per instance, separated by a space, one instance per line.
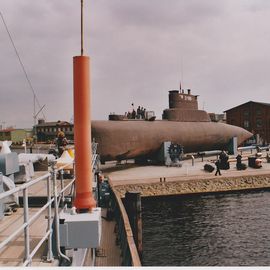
x=183 y=107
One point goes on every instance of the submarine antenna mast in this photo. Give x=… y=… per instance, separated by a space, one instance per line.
x=84 y=200
x=81 y=27
x=181 y=75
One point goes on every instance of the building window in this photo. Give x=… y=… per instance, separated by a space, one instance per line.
x=259 y=123
x=246 y=124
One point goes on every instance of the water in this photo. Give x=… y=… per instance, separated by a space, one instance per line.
x=207 y=230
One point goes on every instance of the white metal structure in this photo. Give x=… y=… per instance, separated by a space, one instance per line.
x=28 y=255
x=55 y=196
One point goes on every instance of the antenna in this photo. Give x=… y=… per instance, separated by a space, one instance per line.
x=81 y=27
x=182 y=71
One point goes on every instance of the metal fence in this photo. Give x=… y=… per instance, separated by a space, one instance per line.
x=56 y=197
x=28 y=221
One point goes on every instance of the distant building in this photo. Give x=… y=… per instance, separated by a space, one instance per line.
x=252 y=116
x=47 y=131
x=217 y=117
x=16 y=135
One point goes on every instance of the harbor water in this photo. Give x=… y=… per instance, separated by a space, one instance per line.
x=207 y=230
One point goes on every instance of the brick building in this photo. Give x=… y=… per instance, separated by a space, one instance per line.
x=47 y=131
x=252 y=116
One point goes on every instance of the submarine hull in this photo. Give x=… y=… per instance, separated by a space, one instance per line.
x=120 y=140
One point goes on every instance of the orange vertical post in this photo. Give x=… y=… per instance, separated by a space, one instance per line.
x=82 y=134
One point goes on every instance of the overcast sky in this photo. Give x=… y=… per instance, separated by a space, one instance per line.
x=139 y=50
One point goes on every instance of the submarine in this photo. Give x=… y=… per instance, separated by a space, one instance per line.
x=120 y=138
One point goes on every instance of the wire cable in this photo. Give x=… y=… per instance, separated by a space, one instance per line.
x=21 y=63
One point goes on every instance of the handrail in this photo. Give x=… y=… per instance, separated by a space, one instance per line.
x=32 y=254
x=28 y=221
x=57 y=232
x=23 y=186
x=135 y=258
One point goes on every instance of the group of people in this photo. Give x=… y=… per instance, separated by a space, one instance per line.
x=223 y=163
x=138 y=114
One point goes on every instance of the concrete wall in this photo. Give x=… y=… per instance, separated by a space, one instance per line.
x=220 y=184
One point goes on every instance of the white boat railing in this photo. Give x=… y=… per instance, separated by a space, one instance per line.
x=51 y=177
x=27 y=221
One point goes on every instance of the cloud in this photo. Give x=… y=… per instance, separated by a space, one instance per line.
x=139 y=50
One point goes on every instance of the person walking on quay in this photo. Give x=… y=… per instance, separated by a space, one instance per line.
x=217 y=163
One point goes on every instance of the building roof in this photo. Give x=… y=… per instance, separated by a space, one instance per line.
x=56 y=123
x=261 y=103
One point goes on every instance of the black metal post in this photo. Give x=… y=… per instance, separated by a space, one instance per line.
x=134 y=211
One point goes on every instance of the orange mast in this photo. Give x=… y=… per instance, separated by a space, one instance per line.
x=84 y=200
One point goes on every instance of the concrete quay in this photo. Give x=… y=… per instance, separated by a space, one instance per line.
x=188 y=179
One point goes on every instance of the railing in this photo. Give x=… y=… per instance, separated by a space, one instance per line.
x=94 y=155
x=129 y=252
x=25 y=227
x=55 y=197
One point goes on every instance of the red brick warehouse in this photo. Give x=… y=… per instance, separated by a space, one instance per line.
x=252 y=116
